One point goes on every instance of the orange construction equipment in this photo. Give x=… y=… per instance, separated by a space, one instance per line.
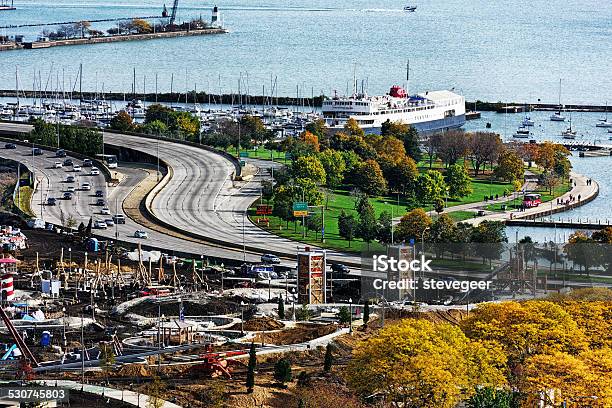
x=215 y=364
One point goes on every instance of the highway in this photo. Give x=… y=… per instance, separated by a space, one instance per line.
x=51 y=183
x=200 y=198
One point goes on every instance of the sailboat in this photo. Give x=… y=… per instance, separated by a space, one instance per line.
x=557 y=117
x=569 y=133
x=604 y=122
x=527 y=121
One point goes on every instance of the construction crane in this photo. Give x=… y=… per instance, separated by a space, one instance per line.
x=173 y=14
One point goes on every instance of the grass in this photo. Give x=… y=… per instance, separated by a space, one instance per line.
x=25 y=199
x=459 y=216
x=544 y=192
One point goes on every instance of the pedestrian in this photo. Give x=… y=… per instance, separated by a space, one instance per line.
x=579 y=197
x=485 y=199
x=497 y=196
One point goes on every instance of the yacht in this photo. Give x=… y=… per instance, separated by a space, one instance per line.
x=410 y=8
x=569 y=133
x=527 y=121
x=426 y=112
x=557 y=117
x=522 y=132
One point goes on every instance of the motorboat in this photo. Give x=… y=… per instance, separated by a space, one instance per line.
x=410 y=8
x=527 y=121
x=522 y=132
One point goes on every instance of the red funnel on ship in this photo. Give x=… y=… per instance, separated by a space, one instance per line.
x=397 y=91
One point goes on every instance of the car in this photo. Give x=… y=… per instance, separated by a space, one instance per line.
x=141 y=234
x=100 y=202
x=51 y=201
x=70 y=179
x=340 y=268
x=119 y=218
x=37 y=151
x=58 y=165
x=70 y=189
x=67 y=195
x=76 y=168
x=270 y=259
x=99 y=193
x=86 y=186
x=87 y=163
x=68 y=162
x=105 y=211
x=60 y=153
x=109 y=222
x=95 y=171
x=10 y=146
x=100 y=224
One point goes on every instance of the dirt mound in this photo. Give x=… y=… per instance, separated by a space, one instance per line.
x=299 y=334
x=259 y=324
x=134 y=370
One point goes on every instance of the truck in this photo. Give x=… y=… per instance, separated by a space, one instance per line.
x=258 y=271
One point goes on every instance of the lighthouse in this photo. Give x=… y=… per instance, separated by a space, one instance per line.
x=215 y=21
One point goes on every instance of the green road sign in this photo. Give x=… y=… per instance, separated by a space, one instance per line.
x=244 y=154
x=300 y=206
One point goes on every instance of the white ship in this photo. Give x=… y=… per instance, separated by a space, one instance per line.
x=427 y=112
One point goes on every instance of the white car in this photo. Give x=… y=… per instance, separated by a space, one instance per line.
x=86 y=186
x=109 y=222
x=70 y=189
x=58 y=165
x=141 y=234
x=100 y=224
x=105 y=211
x=95 y=171
x=76 y=168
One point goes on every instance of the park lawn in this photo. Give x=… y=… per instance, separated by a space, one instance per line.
x=480 y=189
x=265 y=154
x=24 y=203
x=544 y=192
x=459 y=216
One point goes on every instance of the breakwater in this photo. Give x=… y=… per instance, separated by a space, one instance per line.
x=110 y=38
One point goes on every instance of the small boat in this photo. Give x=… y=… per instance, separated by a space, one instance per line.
x=569 y=133
x=522 y=132
x=410 y=8
x=528 y=121
x=603 y=123
x=557 y=117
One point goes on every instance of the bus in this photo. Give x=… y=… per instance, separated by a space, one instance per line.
x=532 y=200
x=109 y=159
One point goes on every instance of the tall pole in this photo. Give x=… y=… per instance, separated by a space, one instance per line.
x=243 y=240
x=82 y=353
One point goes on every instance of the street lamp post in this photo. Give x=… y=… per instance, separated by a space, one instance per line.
x=242 y=305
x=243 y=240
x=350 y=315
x=293 y=302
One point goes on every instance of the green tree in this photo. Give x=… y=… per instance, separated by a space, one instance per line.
x=282 y=371
x=347 y=226
x=334 y=165
x=317 y=128
x=510 y=166
x=563 y=166
x=158 y=112
x=281 y=308
x=402 y=177
x=369 y=178
x=367 y=227
x=309 y=167
x=385 y=223
x=344 y=316
x=458 y=181
x=407 y=134
x=430 y=186
x=314 y=222
x=303 y=313
x=284 y=196
x=489 y=397
x=250 y=379
x=122 y=121
x=329 y=358
x=155 y=392
x=157 y=127
x=490 y=236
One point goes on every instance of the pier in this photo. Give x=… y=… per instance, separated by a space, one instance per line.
x=587 y=223
x=112 y=38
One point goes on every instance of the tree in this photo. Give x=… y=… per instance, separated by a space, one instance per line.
x=417 y=363
x=490 y=236
x=430 y=186
x=412 y=225
x=353 y=129
x=303 y=313
x=314 y=222
x=443 y=232
x=329 y=358
x=122 y=122
x=159 y=128
x=282 y=371
x=550 y=181
x=369 y=178
x=510 y=166
x=281 y=308
x=582 y=250
x=367 y=227
x=155 y=391
x=253 y=128
x=347 y=226
x=484 y=147
x=312 y=140
x=141 y=26
x=562 y=166
x=107 y=358
x=334 y=166
x=489 y=397
x=317 y=128
x=385 y=223
x=453 y=145
x=366 y=312
x=344 y=315
x=250 y=379
x=309 y=167
x=458 y=181
x=402 y=176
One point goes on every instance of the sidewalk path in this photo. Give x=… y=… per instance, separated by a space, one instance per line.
x=129 y=397
x=587 y=193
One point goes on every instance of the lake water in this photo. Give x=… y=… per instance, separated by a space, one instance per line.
x=488 y=50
